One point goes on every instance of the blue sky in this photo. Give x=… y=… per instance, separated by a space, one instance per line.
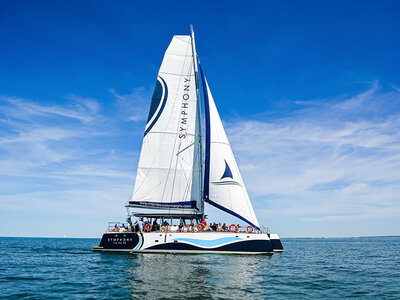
x=309 y=92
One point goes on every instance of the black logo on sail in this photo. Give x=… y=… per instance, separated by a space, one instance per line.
x=224 y=180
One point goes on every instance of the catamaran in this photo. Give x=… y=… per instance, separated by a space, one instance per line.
x=178 y=172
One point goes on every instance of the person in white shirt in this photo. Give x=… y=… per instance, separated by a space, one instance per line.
x=140 y=224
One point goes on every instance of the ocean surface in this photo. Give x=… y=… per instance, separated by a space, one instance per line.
x=365 y=268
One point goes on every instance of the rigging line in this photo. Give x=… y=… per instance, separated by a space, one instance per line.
x=178 y=37
x=184 y=149
x=148 y=192
x=188 y=183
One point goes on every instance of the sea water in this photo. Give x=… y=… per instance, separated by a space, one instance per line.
x=331 y=268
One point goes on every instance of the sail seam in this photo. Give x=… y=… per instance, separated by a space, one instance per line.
x=178 y=37
x=183 y=55
x=227 y=144
x=162 y=132
x=175 y=74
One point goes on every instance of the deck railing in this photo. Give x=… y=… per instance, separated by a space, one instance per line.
x=124 y=227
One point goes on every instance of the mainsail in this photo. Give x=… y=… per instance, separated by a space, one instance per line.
x=223 y=184
x=169 y=171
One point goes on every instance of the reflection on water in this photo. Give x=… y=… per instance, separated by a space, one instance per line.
x=309 y=268
x=211 y=276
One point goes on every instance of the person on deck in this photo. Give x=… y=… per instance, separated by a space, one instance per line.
x=224 y=227
x=180 y=228
x=191 y=227
x=140 y=225
x=155 y=225
x=204 y=224
x=166 y=226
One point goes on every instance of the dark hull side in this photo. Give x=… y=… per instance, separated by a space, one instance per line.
x=277 y=245
x=257 y=246
x=118 y=241
x=136 y=242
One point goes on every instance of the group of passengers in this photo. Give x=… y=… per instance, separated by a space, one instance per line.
x=140 y=226
x=121 y=228
x=203 y=226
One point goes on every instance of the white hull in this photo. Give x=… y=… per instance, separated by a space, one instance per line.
x=190 y=242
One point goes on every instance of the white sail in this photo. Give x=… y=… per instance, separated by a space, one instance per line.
x=169 y=171
x=223 y=184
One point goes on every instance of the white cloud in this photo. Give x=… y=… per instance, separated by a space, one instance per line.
x=330 y=161
x=63 y=159
x=81 y=109
x=336 y=160
x=134 y=106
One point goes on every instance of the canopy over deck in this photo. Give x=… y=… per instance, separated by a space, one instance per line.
x=168 y=216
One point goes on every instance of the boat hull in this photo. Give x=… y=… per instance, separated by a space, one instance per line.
x=118 y=242
x=276 y=242
x=187 y=242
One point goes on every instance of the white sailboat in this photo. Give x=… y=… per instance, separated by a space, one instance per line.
x=174 y=179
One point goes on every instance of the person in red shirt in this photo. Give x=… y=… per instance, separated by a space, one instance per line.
x=204 y=224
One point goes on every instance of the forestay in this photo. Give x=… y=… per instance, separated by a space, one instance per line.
x=223 y=184
x=169 y=170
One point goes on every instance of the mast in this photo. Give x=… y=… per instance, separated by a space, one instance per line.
x=196 y=73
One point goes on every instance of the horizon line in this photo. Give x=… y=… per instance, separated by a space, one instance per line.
x=303 y=237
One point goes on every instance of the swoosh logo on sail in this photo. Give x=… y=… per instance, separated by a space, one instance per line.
x=231 y=182
x=158 y=102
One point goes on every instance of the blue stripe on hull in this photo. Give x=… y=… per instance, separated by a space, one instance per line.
x=209 y=243
x=255 y=246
